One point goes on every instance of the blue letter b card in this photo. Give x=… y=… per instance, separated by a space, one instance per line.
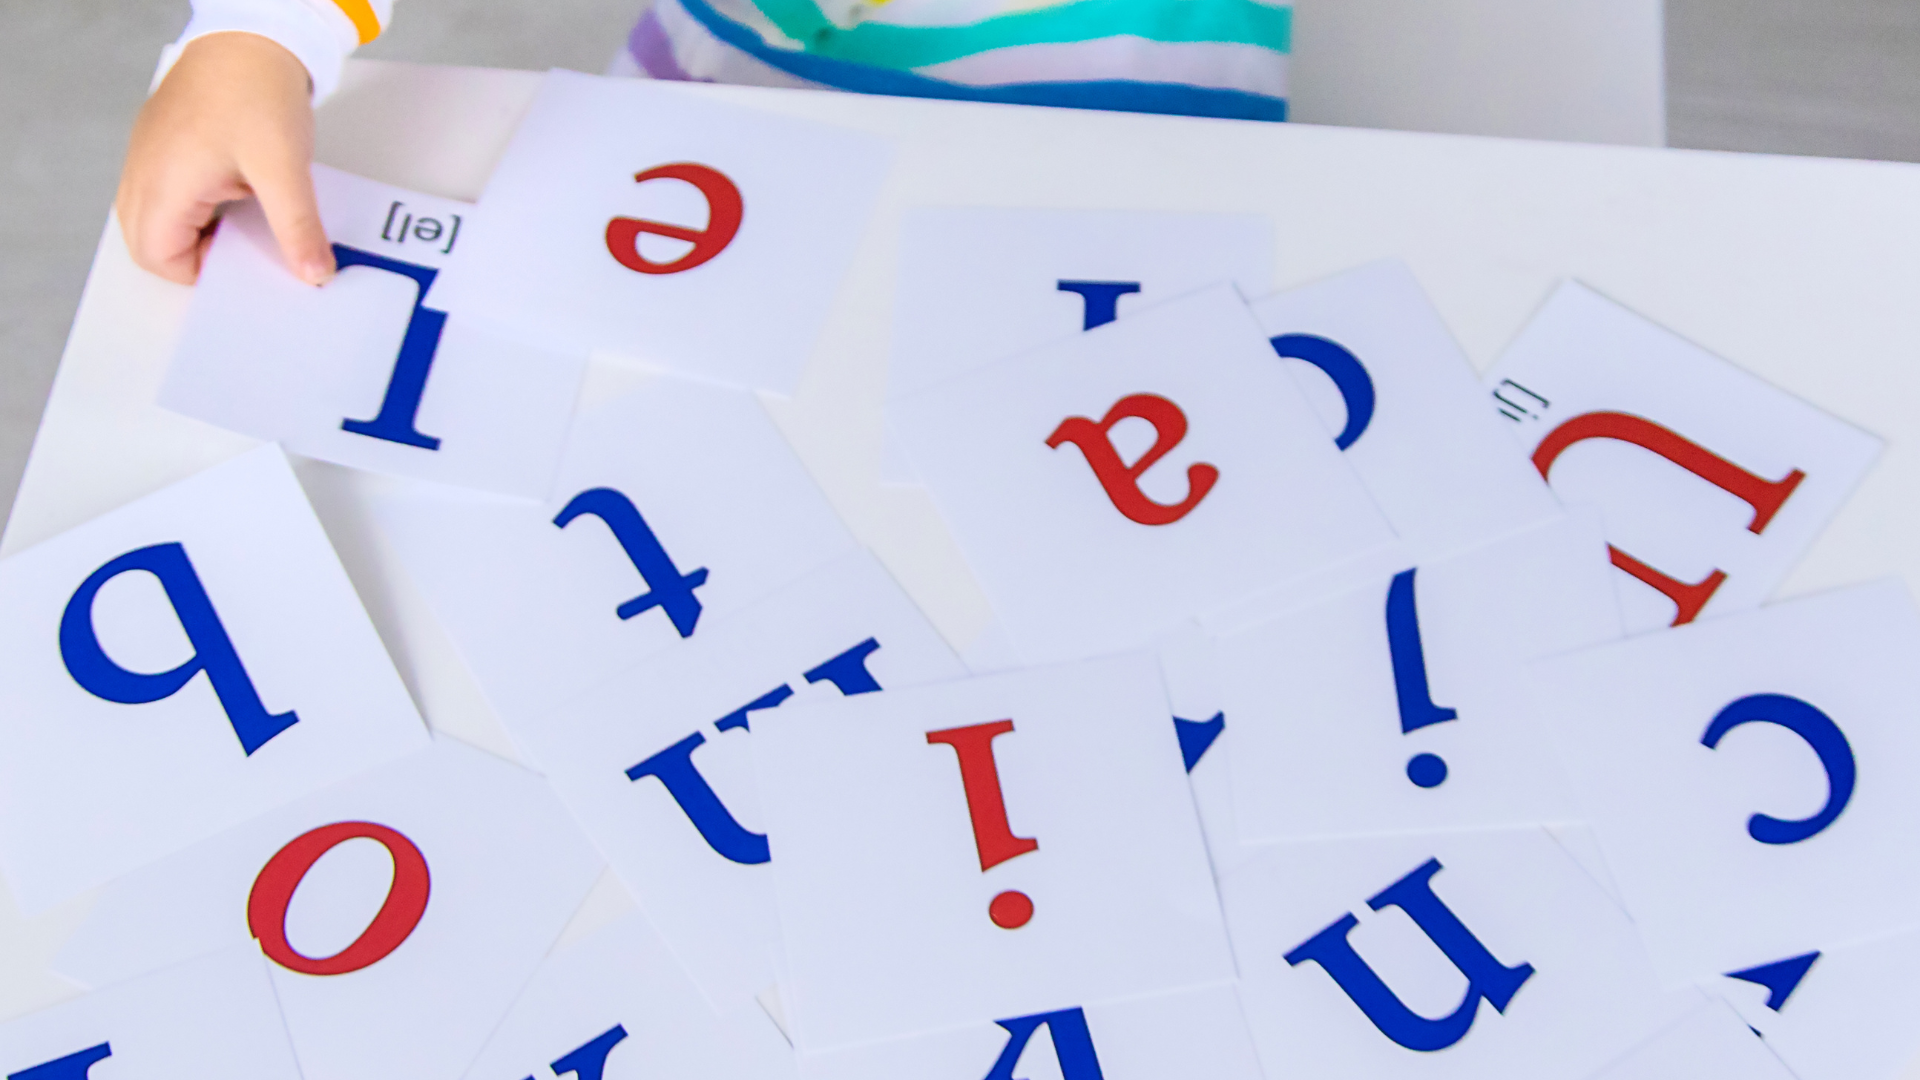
x=176 y=667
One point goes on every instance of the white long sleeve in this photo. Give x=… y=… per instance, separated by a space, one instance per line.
x=322 y=33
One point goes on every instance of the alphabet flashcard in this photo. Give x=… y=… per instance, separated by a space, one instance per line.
x=212 y=1019
x=175 y=667
x=1710 y=1041
x=989 y=848
x=1469 y=955
x=1405 y=704
x=401 y=912
x=365 y=371
x=676 y=504
x=1713 y=482
x=632 y=217
x=654 y=762
x=980 y=284
x=1113 y=485
x=1842 y=1013
x=1197 y=1033
x=1749 y=777
x=1406 y=408
x=615 y=1004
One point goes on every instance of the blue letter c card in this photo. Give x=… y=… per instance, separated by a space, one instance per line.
x=996 y=847
x=175 y=667
x=1749 y=776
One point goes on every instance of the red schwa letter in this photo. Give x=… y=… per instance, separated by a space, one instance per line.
x=273 y=890
x=724 y=210
x=1765 y=496
x=1121 y=480
x=981 y=779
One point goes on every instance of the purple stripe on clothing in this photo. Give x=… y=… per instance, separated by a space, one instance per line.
x=653 y=50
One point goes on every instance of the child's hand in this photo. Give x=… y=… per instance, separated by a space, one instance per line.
x=232 y=119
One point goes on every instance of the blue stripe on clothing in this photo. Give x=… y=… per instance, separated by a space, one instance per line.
x=1118 y=95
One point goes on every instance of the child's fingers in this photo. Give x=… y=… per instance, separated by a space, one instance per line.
x=165 y=236
x=284 y=187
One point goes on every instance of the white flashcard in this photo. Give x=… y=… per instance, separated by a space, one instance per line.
x=1406 y=705
x=211 y=1019
x=114 y=751
x=363 y=371
x=402 y=911
x=1193 y=1033
x=1711 y=1041
x=676 y=503
x=1713 y=482
x=1200 y=722
x=654 y=763
x=979 y=284
x=615 y=1004
x=633 y=217
x=1406 y=408
x=1472 y=955
x=971 y=851
x=1835 y=1014
x=1113 y=485
x=1749 y=777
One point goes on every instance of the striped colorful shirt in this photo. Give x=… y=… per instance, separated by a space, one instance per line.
x=1225 y=58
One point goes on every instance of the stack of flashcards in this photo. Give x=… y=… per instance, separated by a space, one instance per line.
x=1342 y=715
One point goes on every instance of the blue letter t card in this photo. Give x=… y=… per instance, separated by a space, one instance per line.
x=970 y=851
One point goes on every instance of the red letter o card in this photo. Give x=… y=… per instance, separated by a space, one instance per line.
x=402 y=912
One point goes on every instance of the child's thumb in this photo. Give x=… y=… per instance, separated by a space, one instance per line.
x=286 y=197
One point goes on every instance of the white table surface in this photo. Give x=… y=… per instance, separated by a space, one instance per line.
x=1804 y=271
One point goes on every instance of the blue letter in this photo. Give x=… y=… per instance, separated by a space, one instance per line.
x=1349 y=376
x=1486 y=976
x=738 y=717
x=674 y=766
x=1197 y=735
x=1102 y=299
x=1781 y=978
x=72 y=1067
x=1072 y=1044
x=213 y=651
x=848 y=672
x=590 y=1061
x=1417 y=709
x=1820 y=732
x=408 y=382
x=669 y=589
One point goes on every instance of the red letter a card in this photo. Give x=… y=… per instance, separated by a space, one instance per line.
x=1110 y=486
x=401 y=911
x=641 y=218
x=976 y=850
x=1713 y=483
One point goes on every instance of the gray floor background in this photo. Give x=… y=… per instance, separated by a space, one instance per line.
x=1833 y=77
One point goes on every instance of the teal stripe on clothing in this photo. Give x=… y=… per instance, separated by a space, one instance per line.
x=1234 y=22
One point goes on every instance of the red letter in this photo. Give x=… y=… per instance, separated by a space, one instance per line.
x=724 y=210
x=981 y=778
x=399 y=914
x=1122 y=481
x=1765 y=496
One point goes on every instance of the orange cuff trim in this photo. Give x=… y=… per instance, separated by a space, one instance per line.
x=363 y=18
